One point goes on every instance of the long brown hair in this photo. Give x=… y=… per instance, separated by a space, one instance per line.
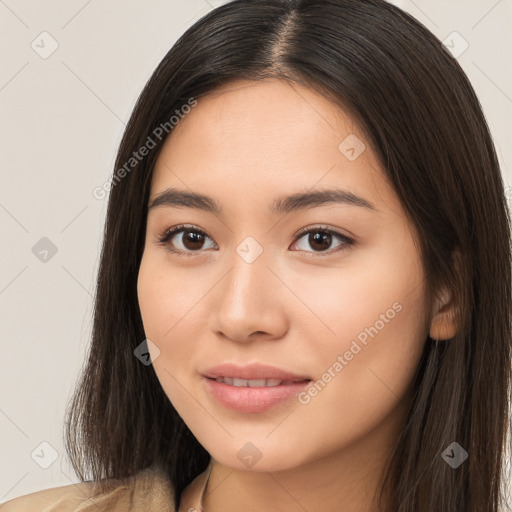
x=420 y=114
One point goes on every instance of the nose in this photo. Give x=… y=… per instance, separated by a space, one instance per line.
x=250 y=302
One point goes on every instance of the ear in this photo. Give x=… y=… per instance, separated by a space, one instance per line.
x=443 y=325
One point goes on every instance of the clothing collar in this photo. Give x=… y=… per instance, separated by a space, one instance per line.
x=191 y=499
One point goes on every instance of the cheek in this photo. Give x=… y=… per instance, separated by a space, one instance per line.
x=372 y=311
x=167 y=296
x=171 y=305
x=367 y=366
x=376 y=298
x=372 y=369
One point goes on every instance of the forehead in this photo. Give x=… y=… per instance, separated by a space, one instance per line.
x=253 y=139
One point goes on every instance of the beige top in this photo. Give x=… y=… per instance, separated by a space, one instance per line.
x=149 y=490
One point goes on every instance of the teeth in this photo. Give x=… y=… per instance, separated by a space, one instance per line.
x=240 y=383
x=273 y=382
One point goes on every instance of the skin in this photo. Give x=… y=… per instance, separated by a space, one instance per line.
x=295 y=307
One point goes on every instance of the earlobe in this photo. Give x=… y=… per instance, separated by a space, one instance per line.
x=443 y=325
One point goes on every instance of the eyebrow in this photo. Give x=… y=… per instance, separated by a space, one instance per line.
x=172 y=197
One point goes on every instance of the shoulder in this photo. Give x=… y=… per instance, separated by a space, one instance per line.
x=149 y=490
x=64 y=499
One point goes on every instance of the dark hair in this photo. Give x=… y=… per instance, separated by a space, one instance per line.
x=420 y=114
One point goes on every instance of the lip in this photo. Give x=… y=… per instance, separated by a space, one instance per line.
x=252 y=399
x=252 y=371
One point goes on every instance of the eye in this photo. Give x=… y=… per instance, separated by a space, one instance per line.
x=189 y=239
x=320 y=238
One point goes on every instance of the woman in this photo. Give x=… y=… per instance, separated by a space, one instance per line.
x=304 y=294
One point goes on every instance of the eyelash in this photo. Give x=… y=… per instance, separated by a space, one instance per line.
x=169 y=233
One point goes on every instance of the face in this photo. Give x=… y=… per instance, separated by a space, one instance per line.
x=341 y=302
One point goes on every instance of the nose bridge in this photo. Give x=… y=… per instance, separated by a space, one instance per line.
x=247 y=302
x=249 y=271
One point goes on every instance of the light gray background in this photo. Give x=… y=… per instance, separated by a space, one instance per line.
x=62 y=120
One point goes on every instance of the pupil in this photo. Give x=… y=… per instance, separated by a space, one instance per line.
x=193 y=240
x=318 y=238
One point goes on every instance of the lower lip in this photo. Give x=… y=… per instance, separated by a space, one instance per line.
x=246 y=399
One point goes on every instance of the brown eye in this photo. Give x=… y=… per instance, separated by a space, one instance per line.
x=185 y=240
x=321 y=240
x=192 y=240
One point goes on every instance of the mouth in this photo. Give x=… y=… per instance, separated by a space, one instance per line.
x=253 y=395
x=254 y=374
x=253 y=387
x=256 y=383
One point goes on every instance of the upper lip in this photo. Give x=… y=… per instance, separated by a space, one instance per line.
x=253 y=371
